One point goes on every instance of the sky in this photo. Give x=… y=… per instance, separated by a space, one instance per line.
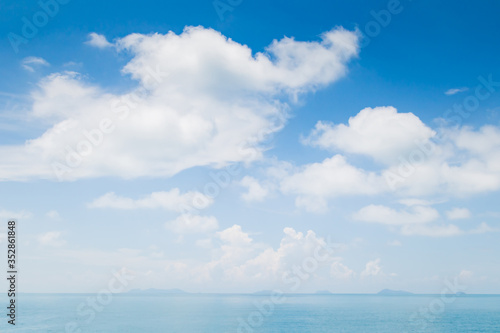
x=234 y=146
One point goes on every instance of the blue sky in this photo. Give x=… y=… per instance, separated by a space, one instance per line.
x=371 y=124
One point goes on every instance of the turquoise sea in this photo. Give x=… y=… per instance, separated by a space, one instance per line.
x=188 y=313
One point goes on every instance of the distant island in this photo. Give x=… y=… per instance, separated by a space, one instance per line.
x=323 y=292
x=157 y=291
x=389 y=292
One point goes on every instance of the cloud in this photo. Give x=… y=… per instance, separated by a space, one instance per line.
x=385 y=215
x=188 y=224
x=315 y=183
x=454 y=91
x=417 y=220
x=256 y=192
x=29 y=63
x=416 y=161
x=458 y=213
x=201 y=100
x=372 y=268
x=240 y=259
x=98 y=41
x=381 y=133
x=232 y=261
x=234 y=235
x=51 y=238
x=465 y=162
x=341 y=271
x=394 y=243
x=171 y=200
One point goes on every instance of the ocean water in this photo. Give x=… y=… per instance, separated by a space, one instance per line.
x=251 y=313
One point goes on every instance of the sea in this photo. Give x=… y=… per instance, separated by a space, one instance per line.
x=273 y=312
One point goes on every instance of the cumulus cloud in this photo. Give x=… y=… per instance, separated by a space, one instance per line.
x=234 y=235
x=255 y=191
x=201 y=100
x=315 y=183
x=239 y=258
x=381 y=133
x=171 y=200
x=98 y=41
x=372 y=268
x=189 y=223
x=340 y=271
x=416 y=161
x=30 y=63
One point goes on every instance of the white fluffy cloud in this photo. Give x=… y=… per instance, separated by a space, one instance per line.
x=239 y=258
x=202 y=99
x=315 y=183
x=98 y=41
x=381 y=133
x=255 y=192
x=171 y=200
x=416 y=160
x=372 y=268
x=340 y=271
